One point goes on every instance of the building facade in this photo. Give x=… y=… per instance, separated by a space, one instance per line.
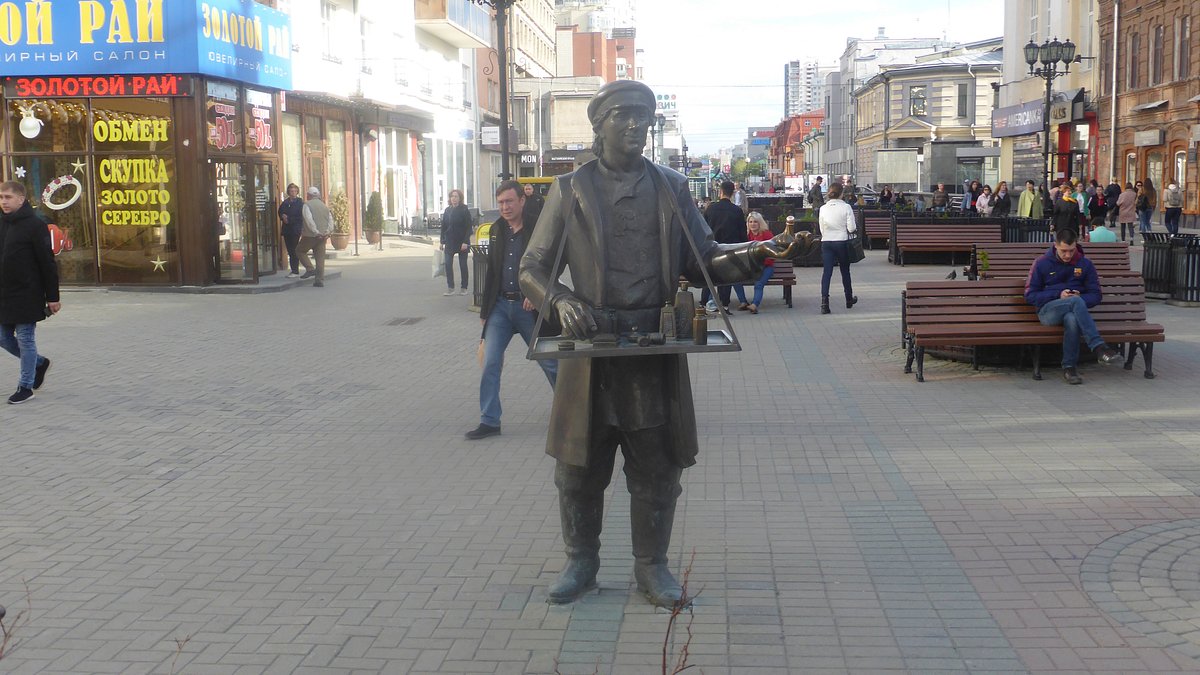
x=1019 y=122
x=152 y=143
x=803 y=86
x=930 y=122
x=1149 y=103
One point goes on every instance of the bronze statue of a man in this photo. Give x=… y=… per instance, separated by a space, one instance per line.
x=623 y=218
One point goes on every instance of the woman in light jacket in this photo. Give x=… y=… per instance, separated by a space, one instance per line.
x=1127 y=211
x=837 y=224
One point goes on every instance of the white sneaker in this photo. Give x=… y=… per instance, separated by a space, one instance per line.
x=711 y=306
x=462 y=291
x=448 y=293
x=293 y=275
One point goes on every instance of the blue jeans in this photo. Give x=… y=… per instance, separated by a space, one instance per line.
x=507 y=319
x=17 y=339
x=836 y=252
x=758 y=286
x=1144 y=220
x=1072 y=314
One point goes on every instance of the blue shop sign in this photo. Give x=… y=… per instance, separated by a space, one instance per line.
x=234 y=39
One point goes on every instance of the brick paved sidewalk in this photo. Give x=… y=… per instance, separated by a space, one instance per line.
x=282 y=477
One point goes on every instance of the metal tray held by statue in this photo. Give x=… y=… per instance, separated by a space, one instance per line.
x=719 y=340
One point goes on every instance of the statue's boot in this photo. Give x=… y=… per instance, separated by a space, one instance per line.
x=582 y=519
x=651 y=525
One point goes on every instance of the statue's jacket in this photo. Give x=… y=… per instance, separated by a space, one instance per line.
x=641 y=391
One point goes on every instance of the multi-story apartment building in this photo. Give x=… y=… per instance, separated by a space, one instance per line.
x=550 y=115
x=758 y=142
x=596 y=16
x=861 y=59
x=1149 y=103
x=935 y=115
x=1019 y=122
x=803 y=86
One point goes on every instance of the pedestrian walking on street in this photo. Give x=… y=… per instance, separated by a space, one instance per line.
x=1173 y=205
x=739 y=199
x=291 y=215
x=728 y=225
x=506 y=311
x=983 y=204
x=28 y=286
x=940 y=200
x=1112 y=194
x=1002 y=202
x=816 y=194
x=1127 y=211
x=454 y=239
x=1147 y=202
x=837 y=224
x=318 y=225
x=1066 y=212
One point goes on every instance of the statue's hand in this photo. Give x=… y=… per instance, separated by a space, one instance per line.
x=782 y=245
x=575 y=317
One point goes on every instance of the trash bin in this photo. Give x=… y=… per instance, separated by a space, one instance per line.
x=479 y=267
x=1185 y=266
x=1156 y=264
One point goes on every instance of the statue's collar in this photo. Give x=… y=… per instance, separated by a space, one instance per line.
x=624 y=184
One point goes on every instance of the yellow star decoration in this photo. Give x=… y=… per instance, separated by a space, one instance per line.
x=78 y=167
x=158 y=263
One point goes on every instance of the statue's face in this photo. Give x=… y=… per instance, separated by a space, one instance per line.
x=624 y=130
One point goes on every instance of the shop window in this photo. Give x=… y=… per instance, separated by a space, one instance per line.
x=335 y=131
x=224 y=128
x=136 y=205
x=260 y=124
x=917 y=103
x=45 y=125
x=59 y=191
x=1154 y=169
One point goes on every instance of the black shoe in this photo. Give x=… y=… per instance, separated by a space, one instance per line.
x=319 y=284
x=39 y=374
x=1104 y=354
x=851 y=301
x=482 y=431
x=825 y=305
x=308 y=275
x=1072 y=376
x=22 y=394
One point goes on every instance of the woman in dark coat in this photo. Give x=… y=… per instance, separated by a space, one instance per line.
x=1001 y=201
x=291 y=214
x=456 y=235
x=28 y=285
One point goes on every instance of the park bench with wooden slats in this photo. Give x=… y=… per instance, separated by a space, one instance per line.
x=785 y=276
x=994 y=312
x=930 y=236
x=876 y=225
x=1012 y=261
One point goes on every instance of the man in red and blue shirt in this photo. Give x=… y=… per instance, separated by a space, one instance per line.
x=1063 y=284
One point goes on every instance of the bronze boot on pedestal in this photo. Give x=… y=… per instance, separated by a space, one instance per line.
x=651 y=525
x=581 y=523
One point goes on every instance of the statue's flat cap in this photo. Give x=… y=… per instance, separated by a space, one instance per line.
x=620 y=93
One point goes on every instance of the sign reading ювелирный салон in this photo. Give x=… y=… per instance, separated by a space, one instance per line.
x=234 y=39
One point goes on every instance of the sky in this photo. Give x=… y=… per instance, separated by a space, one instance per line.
x=726 y=66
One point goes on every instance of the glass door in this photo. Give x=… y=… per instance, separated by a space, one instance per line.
x=234 y=228
x=265 y=218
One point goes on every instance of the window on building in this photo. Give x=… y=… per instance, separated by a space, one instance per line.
x=1131 y=73
x=400 y=65
x=1156 y=56
x=917 y=102
x=1087 y=21
x=1181 y=168
x=1183 y=48
x=520 y=119
x=964 y=103
x=365 y=31
x=467 y=82
x=329 y=29
x=1033 y=20
x=1106 y=67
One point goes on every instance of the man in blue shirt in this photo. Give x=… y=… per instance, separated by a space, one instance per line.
x=1063 y=284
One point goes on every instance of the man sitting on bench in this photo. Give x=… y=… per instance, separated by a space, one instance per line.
x=1063 y=284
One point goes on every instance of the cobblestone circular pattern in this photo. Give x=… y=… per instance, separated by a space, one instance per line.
x=1148 y=579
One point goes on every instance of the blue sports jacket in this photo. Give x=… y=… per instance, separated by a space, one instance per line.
x=1049 y=277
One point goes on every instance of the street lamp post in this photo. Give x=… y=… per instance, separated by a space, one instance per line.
x=660 y=123
x=1050 y=54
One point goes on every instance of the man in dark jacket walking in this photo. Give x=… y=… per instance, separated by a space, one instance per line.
x=291 y=215
x=1063 y=284
x=28 y=285
x=505 y=311
x=728 y=225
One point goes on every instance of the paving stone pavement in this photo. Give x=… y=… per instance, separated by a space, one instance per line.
x=281 y=480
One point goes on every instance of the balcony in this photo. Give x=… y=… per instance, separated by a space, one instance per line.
x=461 y=23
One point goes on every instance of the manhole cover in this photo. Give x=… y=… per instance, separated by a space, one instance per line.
x=1147 y=580
x=405 y=321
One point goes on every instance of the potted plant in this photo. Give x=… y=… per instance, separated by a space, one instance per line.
x=339 y=208
x=373 y=221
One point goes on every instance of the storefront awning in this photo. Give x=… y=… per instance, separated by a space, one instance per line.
x=1148 y=106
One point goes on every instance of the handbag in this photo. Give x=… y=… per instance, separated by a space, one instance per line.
x=439 y=264
x=854 y=246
